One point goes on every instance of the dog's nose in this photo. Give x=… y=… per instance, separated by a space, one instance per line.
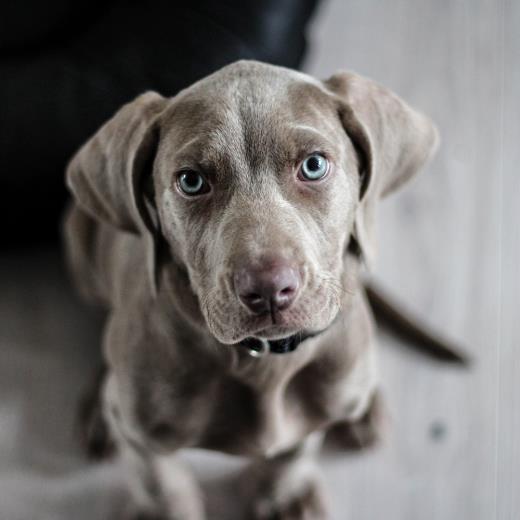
x=271 y=287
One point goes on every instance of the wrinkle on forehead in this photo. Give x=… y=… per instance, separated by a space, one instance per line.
x=228 y=141
x=247 y=127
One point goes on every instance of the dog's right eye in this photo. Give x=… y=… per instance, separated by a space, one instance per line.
x=192 y=183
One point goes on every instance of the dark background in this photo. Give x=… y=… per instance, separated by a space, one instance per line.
x=66 y=67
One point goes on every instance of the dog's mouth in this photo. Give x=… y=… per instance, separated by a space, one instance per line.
x=232 y=326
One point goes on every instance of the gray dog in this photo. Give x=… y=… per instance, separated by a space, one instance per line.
x=224 y=229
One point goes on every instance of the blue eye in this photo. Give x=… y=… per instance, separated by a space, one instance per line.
x=192 y=183
x=314 y=167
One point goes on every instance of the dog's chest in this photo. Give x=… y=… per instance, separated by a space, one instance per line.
x=265 y=410
x=258 y=409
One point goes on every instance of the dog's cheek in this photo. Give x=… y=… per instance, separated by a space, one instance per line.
x=173 y=227
x=340 y=222
x=225 y=320
x=329 y=225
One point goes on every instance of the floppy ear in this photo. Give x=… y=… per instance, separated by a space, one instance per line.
x=393 y=139
x=108 y=175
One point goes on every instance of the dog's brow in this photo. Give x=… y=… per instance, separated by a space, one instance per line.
x=307 y=128
x=307 y=132
x=192 y=143
x=310 y=135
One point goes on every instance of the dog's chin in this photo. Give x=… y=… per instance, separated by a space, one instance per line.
x=274 y=332
x=264 y=329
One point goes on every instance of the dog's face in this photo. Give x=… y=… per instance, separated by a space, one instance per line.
x=256 y=187
x=262 y=176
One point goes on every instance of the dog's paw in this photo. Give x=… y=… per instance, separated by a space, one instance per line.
x=362 y=434
x=306 y=504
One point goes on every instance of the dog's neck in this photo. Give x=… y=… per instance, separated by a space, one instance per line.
x=259 y=347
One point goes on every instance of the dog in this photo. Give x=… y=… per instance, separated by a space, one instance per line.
x=225 y=231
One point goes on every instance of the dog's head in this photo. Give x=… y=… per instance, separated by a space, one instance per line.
x=258 y=178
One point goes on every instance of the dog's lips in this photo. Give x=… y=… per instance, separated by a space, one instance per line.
x=275 y=332
x=272 y=333
x=262 y=327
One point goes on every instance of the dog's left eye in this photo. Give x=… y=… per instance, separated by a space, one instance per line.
x=314 y=167
x=192 y=183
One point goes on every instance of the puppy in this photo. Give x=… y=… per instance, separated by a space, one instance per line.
x=224 y=230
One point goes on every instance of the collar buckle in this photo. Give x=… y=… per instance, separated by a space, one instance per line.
x=256 y=347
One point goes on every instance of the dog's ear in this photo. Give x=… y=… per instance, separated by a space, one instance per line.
x=393 y=140
x=108 y=176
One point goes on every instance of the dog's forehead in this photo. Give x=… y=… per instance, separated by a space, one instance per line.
x=248 y=93
x=247 y=112
x=250 y=79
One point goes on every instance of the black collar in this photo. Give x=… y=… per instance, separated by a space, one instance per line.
x=259 y=347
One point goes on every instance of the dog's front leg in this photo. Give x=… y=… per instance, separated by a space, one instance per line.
x=287 y=486
x=363 y=432
x=161 y=487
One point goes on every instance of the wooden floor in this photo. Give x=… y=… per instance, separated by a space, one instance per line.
x=449 y=249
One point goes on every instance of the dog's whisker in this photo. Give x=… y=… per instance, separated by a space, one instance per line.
x=332 y=282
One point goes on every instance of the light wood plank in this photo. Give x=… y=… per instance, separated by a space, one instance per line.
x=443 y=250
